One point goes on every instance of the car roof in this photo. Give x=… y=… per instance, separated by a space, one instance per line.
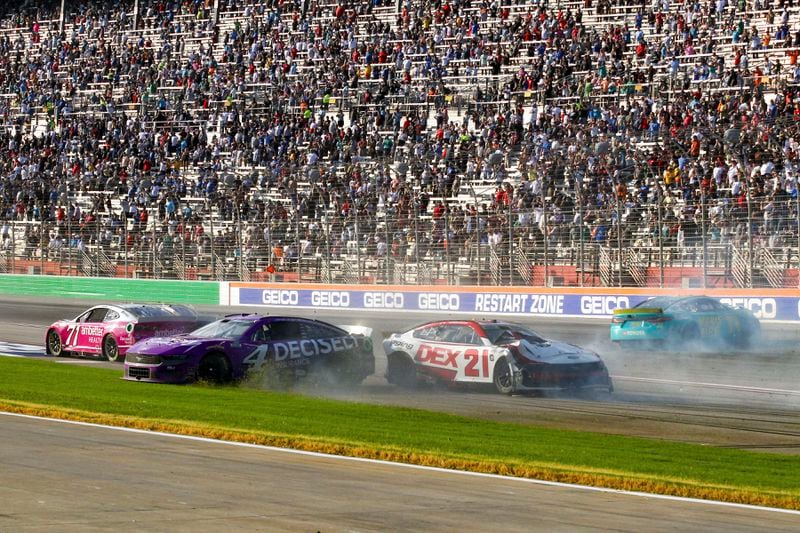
x=481 y=322
x=154 y=311
x=252 y=317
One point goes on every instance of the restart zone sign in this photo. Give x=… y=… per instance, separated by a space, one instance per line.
x=486 y=303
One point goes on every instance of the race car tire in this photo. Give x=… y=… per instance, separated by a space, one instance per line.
x=503 y=380
x=54 y=346
x=400 y=371
x=688 y=334
x=747 y=331
x=110 y=349
x=214 y=368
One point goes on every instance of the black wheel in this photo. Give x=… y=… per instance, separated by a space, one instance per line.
x=54 y=346
x=503 y=380
x=214 y=368
x=688 y=335
x=400 y=371
x=110 y=348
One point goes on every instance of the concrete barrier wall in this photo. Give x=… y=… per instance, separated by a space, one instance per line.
x=781 y=305
x=112 y=289
x=768 y=305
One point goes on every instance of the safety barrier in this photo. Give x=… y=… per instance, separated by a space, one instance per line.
x=781 y=305
x=768 y=305
x=112 y=289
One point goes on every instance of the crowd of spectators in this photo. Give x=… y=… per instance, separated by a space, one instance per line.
x=276 y=129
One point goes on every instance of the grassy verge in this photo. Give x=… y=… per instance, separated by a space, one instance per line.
x=400 y=434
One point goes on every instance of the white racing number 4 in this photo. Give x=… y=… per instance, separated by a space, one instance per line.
x=257 y=357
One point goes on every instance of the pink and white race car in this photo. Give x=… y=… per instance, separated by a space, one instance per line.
x=109 y=330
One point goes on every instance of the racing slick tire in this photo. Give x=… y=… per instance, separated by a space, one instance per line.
x=400 y=371
x=688 y=335
x=503 y=380
x=110 y=349
x=214 y=368
x=54 y=346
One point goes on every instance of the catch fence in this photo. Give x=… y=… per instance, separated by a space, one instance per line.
x=554 y=242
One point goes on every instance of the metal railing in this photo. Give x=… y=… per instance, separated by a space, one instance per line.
x=639 y=250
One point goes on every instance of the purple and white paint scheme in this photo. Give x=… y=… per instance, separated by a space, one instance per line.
x=232 y=347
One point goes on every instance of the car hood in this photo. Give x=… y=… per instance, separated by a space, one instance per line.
x=177 y=344
x=553 y=352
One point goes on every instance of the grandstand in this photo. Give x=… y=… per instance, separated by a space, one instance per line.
x=546 y=143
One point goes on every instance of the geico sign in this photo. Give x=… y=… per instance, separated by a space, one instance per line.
x=761 y=307
x=435 y=301
x=330 y=299
x=383 y=300
x=279 y=297
x=603 y=305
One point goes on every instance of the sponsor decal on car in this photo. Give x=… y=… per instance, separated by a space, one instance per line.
x=293 y=350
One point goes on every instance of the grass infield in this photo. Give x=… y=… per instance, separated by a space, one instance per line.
x=400 y=434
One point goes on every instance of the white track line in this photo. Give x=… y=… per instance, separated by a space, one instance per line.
x=415 y=467
x=744 y=388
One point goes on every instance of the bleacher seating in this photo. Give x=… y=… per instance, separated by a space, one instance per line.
x=413 y=141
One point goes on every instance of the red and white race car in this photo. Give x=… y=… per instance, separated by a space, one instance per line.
x=512 y=356
x=109 y=330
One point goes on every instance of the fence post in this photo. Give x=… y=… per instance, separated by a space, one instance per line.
x=297 y=244
x=98 y=251
x=660 y=245
x=545 y=244
x=213 y=253
x=268 y=233
x=579 y=198
x=153 y=222
x=510 y=246
x=358 y=243
x=42 y=246
x=328 y=245
x=749 y=240
x=125 y=240
x=416 y=243
x=388 y=244
x=703 y=234
x=13 y=246
x=69 y=234
x=619 y=241
x=477 y=233
x=240 y=239
x=447 y=242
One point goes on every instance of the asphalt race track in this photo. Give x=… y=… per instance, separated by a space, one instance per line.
x=746 y=400
x=70 y=477
x=53 y=478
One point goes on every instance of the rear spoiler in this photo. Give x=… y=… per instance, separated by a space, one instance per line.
x=639 y=311
x=358 y=330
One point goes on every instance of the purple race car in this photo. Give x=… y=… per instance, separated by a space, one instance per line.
x=284 y=348
x=109 y=330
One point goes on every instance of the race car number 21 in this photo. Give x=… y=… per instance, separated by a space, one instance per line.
x=477 y=364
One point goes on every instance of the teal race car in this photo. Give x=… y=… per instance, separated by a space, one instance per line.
x=677 y=322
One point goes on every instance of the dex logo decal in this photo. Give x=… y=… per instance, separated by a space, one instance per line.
x=437 y=356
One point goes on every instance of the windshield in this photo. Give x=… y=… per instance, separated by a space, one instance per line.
x=159 y=311
x=660 y=301
x=508 y=333
x=223 y=329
